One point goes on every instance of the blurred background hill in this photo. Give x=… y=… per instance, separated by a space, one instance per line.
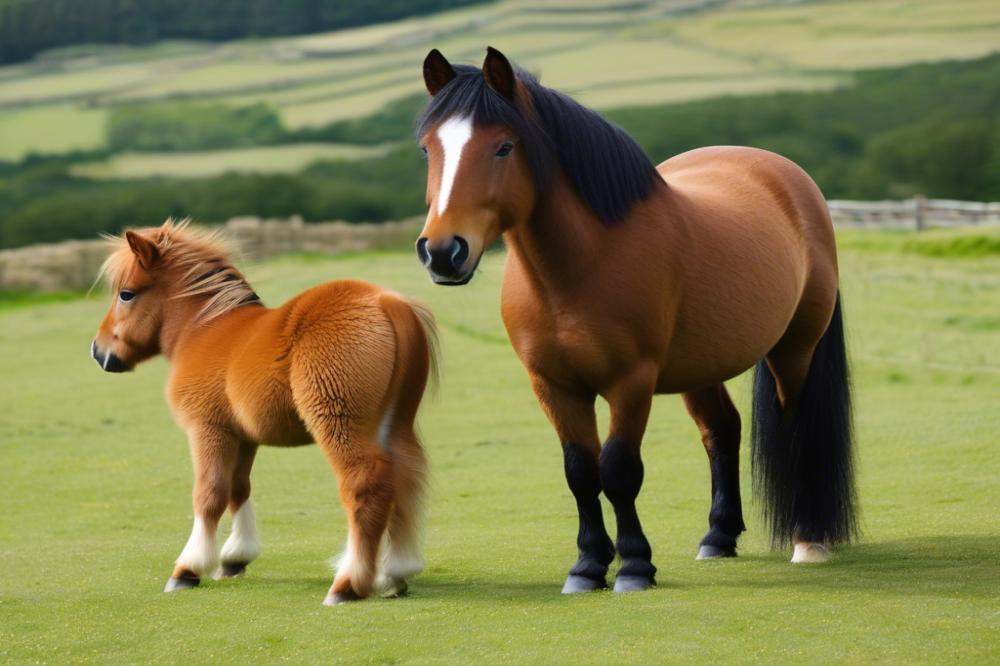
x=126 y=112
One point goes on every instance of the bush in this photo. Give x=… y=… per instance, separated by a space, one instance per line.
x=189 y=126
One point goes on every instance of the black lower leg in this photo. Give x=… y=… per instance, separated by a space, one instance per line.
x=725 y=519
x=596 y=549
x=621 y=478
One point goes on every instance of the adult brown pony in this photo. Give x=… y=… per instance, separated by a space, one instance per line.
x=343 y=364
x=624 y=280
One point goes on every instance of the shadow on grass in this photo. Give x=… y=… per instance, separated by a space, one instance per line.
x=951 y=566
x=966 y=566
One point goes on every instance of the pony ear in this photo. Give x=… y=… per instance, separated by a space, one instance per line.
x=438 y=72
x=144 y=249
x=498 y=73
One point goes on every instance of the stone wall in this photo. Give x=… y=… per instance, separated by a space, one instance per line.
x=73 y=265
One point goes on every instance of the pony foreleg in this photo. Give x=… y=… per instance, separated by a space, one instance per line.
x=243 y=545
x=719 y=423
x=573 y=417
x=213 y=454
x=622 y=474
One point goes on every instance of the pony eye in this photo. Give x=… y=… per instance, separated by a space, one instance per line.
x=505 y=148
x=423 y=151
x=126 y=295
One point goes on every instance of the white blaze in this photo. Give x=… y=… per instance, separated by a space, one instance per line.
x=453 y=133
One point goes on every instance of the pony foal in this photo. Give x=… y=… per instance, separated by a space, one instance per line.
x=343 y=364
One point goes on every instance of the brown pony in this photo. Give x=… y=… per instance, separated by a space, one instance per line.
x=624 y=280
x=343 y=364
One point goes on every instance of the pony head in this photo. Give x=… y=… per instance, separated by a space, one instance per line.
x=479 y=175
x=495 y=138
x=163 y=279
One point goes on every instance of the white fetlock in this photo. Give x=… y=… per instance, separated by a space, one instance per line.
x=810 y=552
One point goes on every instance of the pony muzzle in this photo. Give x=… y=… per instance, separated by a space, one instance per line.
x=448 y=262
x=107 y=360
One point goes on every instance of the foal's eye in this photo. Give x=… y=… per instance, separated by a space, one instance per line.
x=423 y=151
x=505 y=148
x=126 y=295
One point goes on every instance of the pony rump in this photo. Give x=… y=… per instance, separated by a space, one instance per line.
x=606 y=167
x=199 y=259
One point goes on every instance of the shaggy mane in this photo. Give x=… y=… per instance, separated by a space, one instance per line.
x=197 y=260
x=606 y=166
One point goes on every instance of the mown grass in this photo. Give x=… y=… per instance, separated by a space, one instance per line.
x=613 y=54
x=95 y=483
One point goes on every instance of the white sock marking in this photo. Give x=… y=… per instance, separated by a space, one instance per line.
x=453 y=133
x=199 y=554
x=810 y=552
x=243 y=544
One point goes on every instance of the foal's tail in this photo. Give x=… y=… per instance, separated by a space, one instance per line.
x=803 y=461
x=417 y=352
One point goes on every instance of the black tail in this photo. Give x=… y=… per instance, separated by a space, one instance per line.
x=803 y=463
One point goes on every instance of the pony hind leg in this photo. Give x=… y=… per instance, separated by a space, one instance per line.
x=213 y=453
x=719 y=423
x=243 y=545
x=366 y=483
x=402 y=556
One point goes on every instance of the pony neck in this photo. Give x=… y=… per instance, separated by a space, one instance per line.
x=179 y=318
x=561 y=240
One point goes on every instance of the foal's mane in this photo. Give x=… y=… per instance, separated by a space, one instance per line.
x=606 y=166
x=197 y=260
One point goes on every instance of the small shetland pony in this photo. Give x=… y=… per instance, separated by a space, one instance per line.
x=624 y=280
x=343 y=364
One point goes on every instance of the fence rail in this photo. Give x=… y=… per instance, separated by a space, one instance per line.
x=74 y=264
x=918 y=213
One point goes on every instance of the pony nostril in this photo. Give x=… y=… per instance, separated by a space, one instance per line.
x=459 y=252
x=422 y=253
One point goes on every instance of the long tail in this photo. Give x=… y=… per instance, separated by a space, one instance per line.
x=803 y=463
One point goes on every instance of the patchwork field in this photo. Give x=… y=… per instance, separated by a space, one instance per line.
x=196 y=164
x=95 y=489
x=608 y=54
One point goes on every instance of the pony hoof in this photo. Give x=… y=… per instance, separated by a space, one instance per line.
x=633 y=583
x=397 y=588
x=337 y=598
x=182 y=582
x=810 y=553
x=710 y=552
x=576 y=584
x=233 y=569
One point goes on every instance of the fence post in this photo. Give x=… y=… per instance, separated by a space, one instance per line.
x=920 y=212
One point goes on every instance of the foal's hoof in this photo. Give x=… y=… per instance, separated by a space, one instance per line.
x=810 y=552
x=633 y=583
x=396 y=587
x=710 y=552
x=183 y=582
x=337 y=598
x=575 y=584
x=233 y=569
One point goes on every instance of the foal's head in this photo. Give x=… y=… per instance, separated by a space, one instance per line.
x=163 y=279
x=493 y=137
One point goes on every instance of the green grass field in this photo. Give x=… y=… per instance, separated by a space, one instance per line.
x=95 y=488
x=607 y=53
x=198 y=164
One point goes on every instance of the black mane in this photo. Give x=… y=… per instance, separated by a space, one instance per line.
x=606 y=166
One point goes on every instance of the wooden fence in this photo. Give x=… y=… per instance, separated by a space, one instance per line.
x=73 y=265
x=918 y=213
